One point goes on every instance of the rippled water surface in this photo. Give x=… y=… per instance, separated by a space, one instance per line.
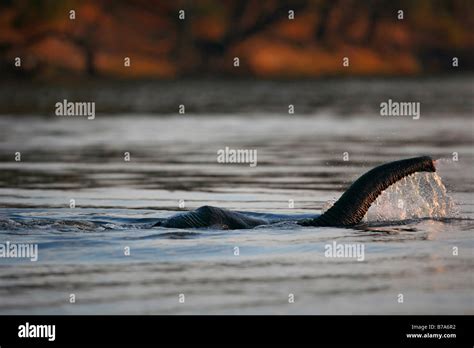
x=410 y=235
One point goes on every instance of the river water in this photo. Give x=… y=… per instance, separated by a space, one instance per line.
x=91 y=212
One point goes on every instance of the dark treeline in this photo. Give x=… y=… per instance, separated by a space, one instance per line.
x=271 y=38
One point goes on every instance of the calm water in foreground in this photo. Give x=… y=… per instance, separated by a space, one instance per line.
x=408 y=236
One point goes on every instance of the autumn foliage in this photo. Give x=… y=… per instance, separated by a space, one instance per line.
x=268 y=43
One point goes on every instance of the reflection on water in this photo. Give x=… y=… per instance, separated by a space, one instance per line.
x=300 y=159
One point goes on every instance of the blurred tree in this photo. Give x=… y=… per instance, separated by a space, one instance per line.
x=204 y=43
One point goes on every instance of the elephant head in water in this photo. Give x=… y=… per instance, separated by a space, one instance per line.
x=349 y=209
